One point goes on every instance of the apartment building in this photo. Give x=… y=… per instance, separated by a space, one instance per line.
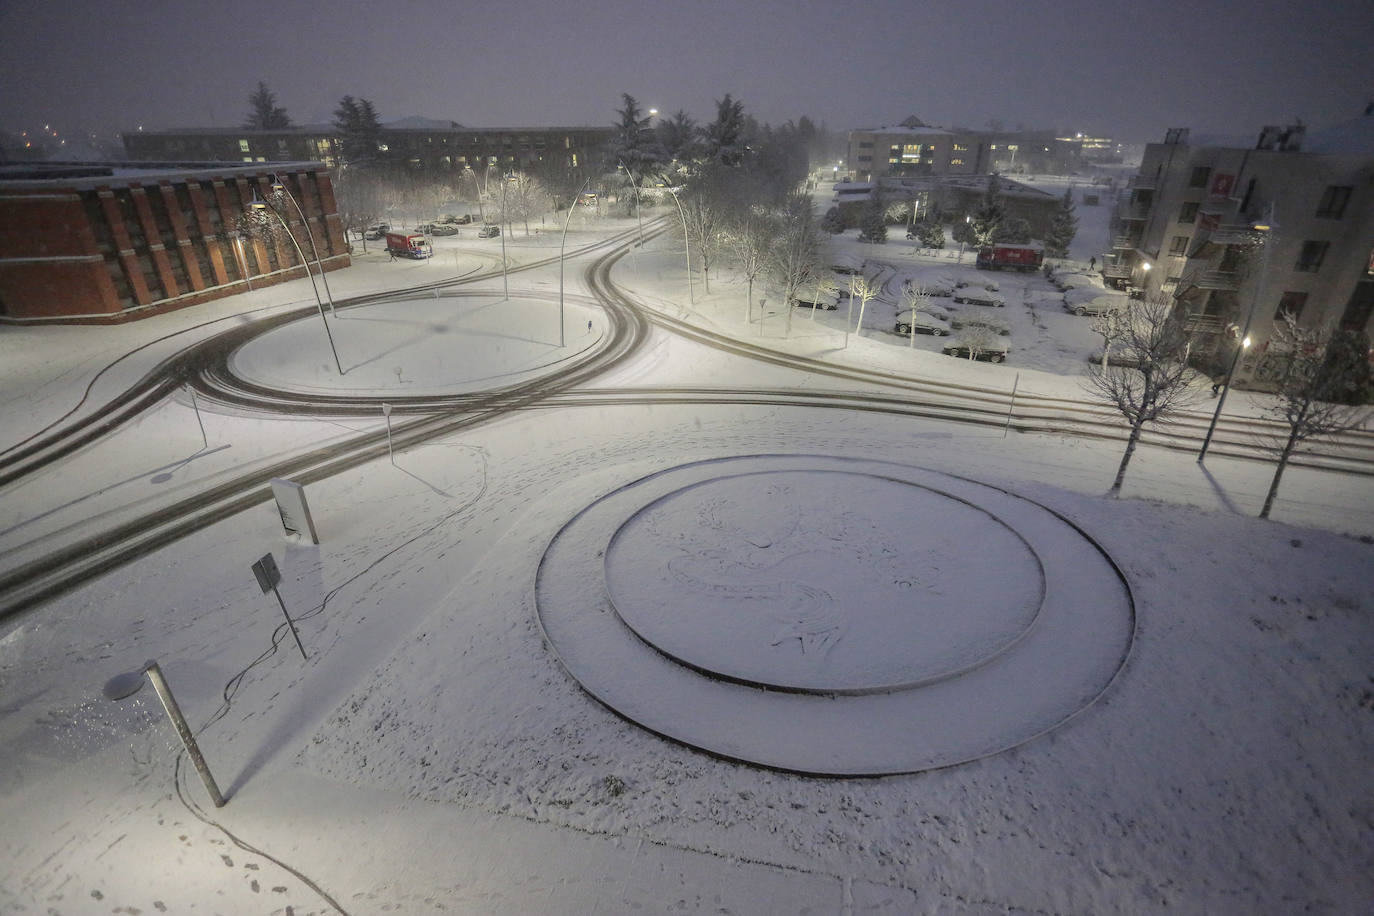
x=1240 y=232
x=913 y=149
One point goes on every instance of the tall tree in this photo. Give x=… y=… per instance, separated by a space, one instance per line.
x=359 y=131
x=678 y=137
x=707 y=203
x=1151 y=378
x=634 y=145
x=1316 y=384
x=795 y=256
x=724 y=138
x=1063 y=227
x=264 y=113
x=987 y=218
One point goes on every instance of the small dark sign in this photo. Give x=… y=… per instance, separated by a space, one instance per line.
x=267 y=573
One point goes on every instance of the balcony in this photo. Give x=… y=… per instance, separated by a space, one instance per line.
x=1125 y=242
x=1202 y=324
x=1215 y=279
x=1132 y=211
x=1117 y=271
x=1143 y=182
x=1235 y=235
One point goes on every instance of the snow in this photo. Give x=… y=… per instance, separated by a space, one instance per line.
x=1202 y=749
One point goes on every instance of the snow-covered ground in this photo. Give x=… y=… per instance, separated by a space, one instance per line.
x=434 y=754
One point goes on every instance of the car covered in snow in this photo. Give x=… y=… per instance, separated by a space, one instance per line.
x=995 y=325
x=488 y=232
x=443 y=229
x=932 y=286
x=993 y=351
x=979 y=297
x=1098 y=305
x=823 y=298
x=922 y=323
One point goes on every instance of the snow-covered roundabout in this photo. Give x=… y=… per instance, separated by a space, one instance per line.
x=833 y=616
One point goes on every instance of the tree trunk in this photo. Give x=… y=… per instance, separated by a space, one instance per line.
x=1278 y=473
x=749 y=302
x=1126 y=458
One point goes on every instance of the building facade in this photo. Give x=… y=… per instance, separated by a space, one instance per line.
x=1240 y=233
x=110 y=242
x=913 y=149
x=436 y=149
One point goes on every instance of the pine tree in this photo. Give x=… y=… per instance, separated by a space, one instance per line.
x=360 y=131
x=265 y=113
x=1063 y=227
x=873 y=222
x=724 y=137
x=634 y=145
x=987 y=219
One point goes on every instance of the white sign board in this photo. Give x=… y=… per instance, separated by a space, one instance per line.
x=294 y=510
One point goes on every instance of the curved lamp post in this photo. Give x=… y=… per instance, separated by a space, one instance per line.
x=279 y=187
x=639 y=211
x=562 y=245
x=261 y=206
x=129 y=683
x=1266 y=229
x=691 y=296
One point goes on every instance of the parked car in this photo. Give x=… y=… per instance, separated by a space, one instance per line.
x=1101 y=305
x=377 y=232
x=979 y=297
x=924 y=323
x=995 y=325
x=488 y=232
x=426 y=228
x=989 y=285
x=451 y=220
x=443 y=229
x=937 y=286
x=827 y=299
x=992 y=352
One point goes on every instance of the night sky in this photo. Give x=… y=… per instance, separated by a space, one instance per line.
x=1106 y=67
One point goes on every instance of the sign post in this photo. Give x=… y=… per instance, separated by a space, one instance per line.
x=294 y=510
x=386 y=412
x=268 y=576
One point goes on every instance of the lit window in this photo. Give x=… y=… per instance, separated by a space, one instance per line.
x=243 y=146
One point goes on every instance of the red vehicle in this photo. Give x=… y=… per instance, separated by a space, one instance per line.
x=408 y=245
x=1011 y=257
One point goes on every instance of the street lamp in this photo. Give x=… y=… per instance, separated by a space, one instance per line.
x=1266 y=230
x=639 y=212
x=691 y=295
x=279 y=187
x=129 y=683
x=261 y=206
x=561 y=246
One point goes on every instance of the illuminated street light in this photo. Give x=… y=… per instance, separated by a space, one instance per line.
x=1266 y=229
x=561 y=246
x=261 y=206
x=691 y=296
x=638 y=210
x=279 y=187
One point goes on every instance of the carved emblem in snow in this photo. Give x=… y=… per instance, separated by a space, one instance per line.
x=817 y=580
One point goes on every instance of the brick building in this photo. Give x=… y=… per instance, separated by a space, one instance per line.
x=103 y=242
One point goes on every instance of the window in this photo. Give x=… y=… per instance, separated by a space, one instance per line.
x=1290 y=303
x=865 y=158
x=1188 y=212
x=960 y=148
x=1333 y=202
x=865 y=145
x=243 y=146
x=956 y=162
x=1179 y=245
x=1310 y=260
x=1200 y=175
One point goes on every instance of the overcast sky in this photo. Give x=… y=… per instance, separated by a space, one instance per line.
x=1127 y=70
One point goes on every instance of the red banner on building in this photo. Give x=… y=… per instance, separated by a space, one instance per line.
x=1222 y=184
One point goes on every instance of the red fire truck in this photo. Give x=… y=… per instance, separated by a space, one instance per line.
x=408 y=245
x=1011 y=257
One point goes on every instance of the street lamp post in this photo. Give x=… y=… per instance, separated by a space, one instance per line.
x=639 y=212
x=505 y=265
x=262 y=205
x=561 y=246
x=686 y=243
x=279 y=187
x=1267 y=228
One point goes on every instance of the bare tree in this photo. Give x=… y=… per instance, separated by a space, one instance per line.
x=1151 y=378
x=707 y=205
x=1313 y=382
x=359 y=197
x=865 y=288
x=795 y=255
x=977 y=338
x=526 y=197
x=751 y=236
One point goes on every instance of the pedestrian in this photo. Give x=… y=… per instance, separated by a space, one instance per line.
x=589 y=326
x=1092 y=263
x=391 y=252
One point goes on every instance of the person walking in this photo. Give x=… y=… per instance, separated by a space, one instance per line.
x=1092 y=263
x=391 y=253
